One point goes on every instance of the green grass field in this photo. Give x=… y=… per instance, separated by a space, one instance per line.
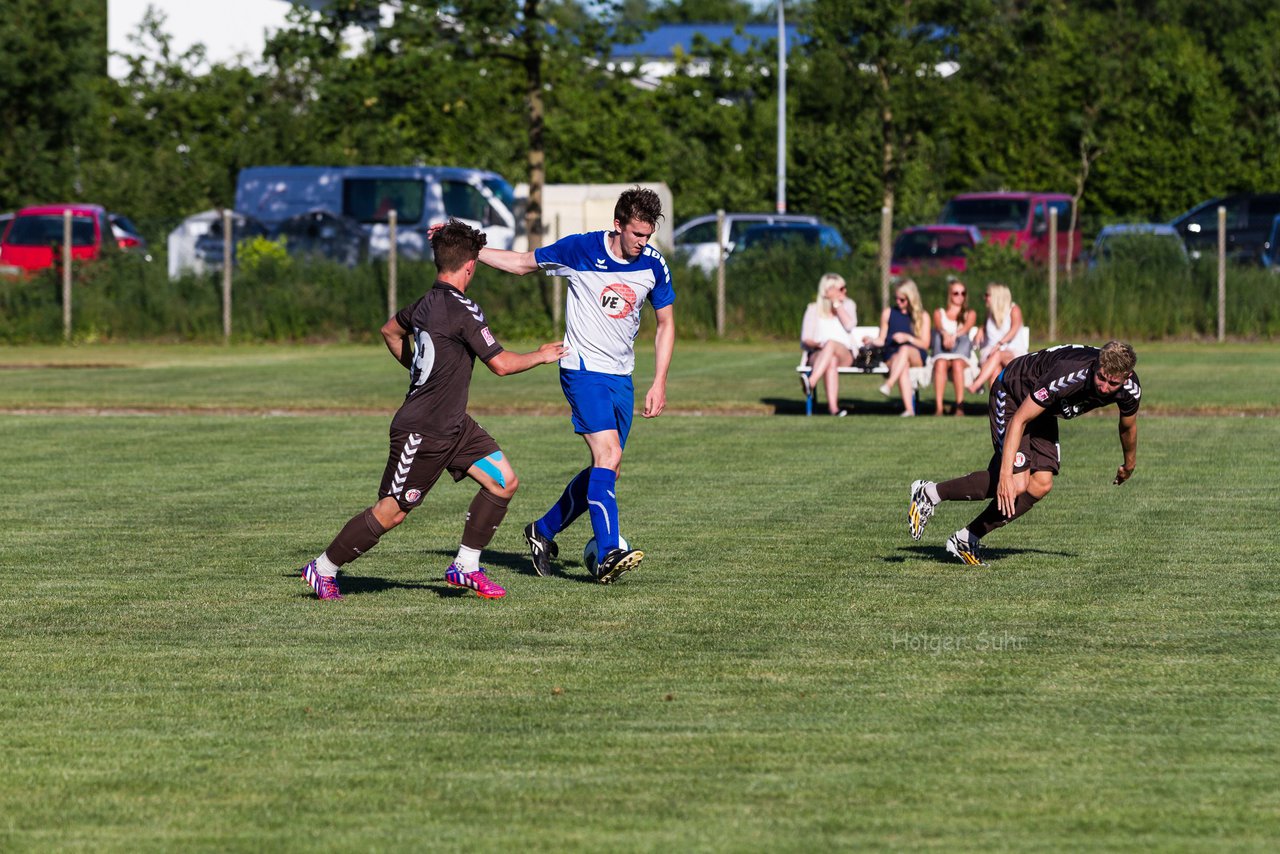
x=787 y=671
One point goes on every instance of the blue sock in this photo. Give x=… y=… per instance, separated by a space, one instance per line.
x=572 y=504
x=604 y=508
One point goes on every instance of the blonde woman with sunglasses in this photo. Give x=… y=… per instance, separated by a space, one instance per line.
x=904 y=334
x=952 y=345
x=826 y=333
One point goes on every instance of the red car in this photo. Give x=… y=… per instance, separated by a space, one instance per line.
x=1017 y=219
x=933 y=247
x=33 y=238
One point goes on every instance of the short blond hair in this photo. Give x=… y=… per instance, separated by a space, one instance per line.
x=1117 y=359
x=826 y=307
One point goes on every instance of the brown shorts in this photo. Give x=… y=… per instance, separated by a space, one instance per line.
x=1039 y=449
x=416 y=461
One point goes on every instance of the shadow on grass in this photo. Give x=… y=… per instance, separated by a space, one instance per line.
x=882 y=406
x=941 y=555
x=519 y=564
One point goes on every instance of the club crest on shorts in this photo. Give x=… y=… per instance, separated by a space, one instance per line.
x=412 y=496
x=1019 y=460
x=617 y=300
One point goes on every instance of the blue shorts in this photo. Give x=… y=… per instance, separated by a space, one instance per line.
x=599 y=402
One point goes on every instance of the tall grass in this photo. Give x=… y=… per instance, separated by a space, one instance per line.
x=1136 y=296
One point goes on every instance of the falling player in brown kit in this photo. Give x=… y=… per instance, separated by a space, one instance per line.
x=1027 y=399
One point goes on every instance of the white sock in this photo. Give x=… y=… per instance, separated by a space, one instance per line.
x=963 y=534
x=468 y=560
x=326 y=567
x=931 y=492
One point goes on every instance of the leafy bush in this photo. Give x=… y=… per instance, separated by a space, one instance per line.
x=283 y=299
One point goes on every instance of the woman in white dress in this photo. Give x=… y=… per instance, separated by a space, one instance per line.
x=999 y=337
x=827 y=337
x=952 y=345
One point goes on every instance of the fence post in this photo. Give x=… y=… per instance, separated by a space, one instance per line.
x=66 y=273
x=1222 y=274
x=1053 y=274
x=227 y=241
x=720 y=273
x=886 y=251
x=392 y=280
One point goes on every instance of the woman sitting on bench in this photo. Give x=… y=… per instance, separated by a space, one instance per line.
x=826 y=335
x=904 y=334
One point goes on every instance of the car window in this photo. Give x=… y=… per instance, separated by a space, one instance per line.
x=1262 y=210
x=46 y=229
x=1042 y=214
x=703 y=232
x=1002 y=214
x=372 y=199
x=1206 y=221
x=738 y=226
x=502 y=191
x=464 y=201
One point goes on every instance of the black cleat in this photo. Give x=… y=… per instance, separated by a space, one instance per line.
x=541 y=550
x=617 y=562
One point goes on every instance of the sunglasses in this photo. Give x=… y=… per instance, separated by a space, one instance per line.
x=958 y=293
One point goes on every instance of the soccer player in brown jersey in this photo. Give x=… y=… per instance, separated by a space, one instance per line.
x=438 y=338
x=1027 y=399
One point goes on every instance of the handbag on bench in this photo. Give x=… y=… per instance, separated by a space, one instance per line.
x=867 y=357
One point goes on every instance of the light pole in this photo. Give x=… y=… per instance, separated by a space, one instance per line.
x=782 y=111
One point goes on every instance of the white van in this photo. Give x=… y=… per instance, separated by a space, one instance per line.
x=695 y=240
x=421 y=196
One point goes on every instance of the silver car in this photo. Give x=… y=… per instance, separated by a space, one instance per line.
x=696 y=244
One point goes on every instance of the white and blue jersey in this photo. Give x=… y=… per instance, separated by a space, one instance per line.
x=602 y=312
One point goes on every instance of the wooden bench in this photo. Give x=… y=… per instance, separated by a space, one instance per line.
x=920 y=377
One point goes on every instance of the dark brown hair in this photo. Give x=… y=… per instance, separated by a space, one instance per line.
x=638 y=204
x=454 y=244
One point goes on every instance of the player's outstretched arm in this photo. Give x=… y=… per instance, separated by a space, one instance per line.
x=1129 y=445
x=508 y=261
x=506 y=362
x=1007 y=490
x=664 y=345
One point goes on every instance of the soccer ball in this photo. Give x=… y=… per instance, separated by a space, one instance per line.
x=591 y=554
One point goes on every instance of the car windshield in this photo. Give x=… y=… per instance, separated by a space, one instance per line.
x=779 y=234
x=372 y=199
x=926 y=244
x=46 y=229
x=1002 y=214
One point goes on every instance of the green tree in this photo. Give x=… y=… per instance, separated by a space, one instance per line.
x=51 y=61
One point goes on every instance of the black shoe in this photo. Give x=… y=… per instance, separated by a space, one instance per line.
x=541 y=550
x=617 y=562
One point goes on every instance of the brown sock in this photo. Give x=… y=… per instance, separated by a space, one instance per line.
x=991 y=517
x=483 y=518
x=359 y=535
x=974 y=486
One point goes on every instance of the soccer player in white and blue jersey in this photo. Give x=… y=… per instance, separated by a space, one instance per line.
x=610 y=274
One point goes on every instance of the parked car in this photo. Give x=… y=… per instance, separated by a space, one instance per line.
x=933 y=247
x=421 y=196
x=1017 y=219
x=1249 y=219
x=697 y=244
x=208 y=249
x=325 y=235
x=33 y=239
x=813 y=235
x=1141 y=242
x=1271 y=249
x=127 y=235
